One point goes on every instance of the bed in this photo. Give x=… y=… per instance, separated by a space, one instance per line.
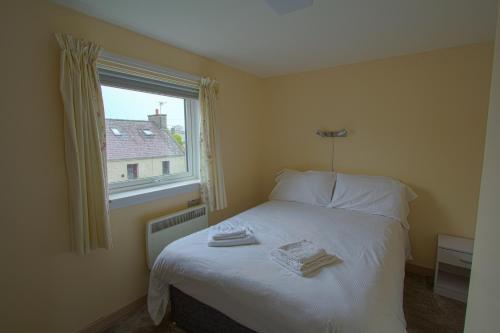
x=362 y=293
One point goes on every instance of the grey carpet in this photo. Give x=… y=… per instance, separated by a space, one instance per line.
x=424 y=312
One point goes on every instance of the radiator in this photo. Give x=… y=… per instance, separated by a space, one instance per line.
x=164 y=230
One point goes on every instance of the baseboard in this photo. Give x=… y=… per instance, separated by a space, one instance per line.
x=419 y=270
x=106 y=322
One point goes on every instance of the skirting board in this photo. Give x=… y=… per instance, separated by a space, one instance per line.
x=106 y=322
x=419 y=270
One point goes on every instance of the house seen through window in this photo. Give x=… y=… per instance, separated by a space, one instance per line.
x=149 y=135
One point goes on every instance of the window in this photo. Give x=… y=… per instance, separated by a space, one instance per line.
x=116 y=131
x=151 y=125
x=132 y=171
x=147 y=132
x=166 y=167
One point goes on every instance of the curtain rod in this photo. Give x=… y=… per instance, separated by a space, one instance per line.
x=112 y=57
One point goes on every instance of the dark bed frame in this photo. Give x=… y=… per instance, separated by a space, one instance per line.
x=194 y=316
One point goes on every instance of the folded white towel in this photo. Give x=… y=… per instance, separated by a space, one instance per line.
x=304 y=269
x=226 y=231
x=302 y=252
x=247 y=240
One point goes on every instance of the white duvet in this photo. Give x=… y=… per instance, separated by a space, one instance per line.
x=363 y=293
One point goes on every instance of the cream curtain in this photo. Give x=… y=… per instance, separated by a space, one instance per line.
x=213 y=191
x=85 y=144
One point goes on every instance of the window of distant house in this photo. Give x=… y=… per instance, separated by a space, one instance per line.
x=132 y=171
x=115 y=131
x=166 y=167
x=147 y=132
x=150 y=126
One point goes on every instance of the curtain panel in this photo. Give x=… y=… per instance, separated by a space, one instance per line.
x=213 y=191
x=85 y=144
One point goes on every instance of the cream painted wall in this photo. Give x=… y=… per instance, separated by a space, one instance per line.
x=408 y=116
x=44 y=287
x=419 y=118
x=483 y=307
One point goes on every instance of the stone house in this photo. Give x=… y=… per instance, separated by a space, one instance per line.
x=141 y=149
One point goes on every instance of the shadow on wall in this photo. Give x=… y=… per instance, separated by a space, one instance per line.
x=426 y=208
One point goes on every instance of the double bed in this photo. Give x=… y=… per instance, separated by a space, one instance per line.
x=361 y=293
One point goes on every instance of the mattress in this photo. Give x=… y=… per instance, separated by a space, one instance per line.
x=362 y=293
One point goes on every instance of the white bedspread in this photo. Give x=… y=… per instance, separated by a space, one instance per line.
x=363 y=293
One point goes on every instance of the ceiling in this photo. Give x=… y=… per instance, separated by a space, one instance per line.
x=250 y=35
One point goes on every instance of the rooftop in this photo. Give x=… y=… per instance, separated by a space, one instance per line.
x=136 y=139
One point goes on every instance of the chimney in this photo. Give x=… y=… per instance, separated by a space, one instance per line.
x=159 y=119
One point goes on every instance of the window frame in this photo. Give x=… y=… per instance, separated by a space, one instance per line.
x=192 y=148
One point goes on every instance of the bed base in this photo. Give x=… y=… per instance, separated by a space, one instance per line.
x=193 y=316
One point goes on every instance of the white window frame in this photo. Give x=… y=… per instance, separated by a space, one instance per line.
x=192 y=132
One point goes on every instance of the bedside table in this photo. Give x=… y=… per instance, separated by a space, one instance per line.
x=453 y=263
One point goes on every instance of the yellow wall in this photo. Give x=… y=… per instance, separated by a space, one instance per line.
x=419 y=118
x=44 y=287
x=483 y=306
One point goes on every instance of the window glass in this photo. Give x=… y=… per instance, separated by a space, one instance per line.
x=132 y=171
x=166 y=167
x=146 y=135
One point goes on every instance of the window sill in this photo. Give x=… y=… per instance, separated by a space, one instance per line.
x=141 y=196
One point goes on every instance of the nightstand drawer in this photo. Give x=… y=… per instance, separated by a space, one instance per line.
x=455 y=258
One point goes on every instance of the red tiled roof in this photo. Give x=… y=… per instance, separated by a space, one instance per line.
x=133 y=143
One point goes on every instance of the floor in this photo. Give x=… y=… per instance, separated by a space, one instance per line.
x=427 y=312
x=424 y=311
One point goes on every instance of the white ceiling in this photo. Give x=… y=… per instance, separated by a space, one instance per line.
x=250 y=35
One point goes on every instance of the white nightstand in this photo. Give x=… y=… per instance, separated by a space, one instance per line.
x=453 y=263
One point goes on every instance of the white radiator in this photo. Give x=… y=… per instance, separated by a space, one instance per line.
x=164 y=230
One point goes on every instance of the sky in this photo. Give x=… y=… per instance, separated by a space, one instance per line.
x=136 y=105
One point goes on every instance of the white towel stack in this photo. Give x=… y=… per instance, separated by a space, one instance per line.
x=302 y=258
x=228 y=235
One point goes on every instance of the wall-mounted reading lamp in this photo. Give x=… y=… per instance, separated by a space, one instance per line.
x=333 y=134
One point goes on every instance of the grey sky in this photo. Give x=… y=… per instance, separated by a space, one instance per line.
x=136 y=105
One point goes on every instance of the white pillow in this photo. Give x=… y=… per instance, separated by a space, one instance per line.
x=310 y=187
x=374 y=195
